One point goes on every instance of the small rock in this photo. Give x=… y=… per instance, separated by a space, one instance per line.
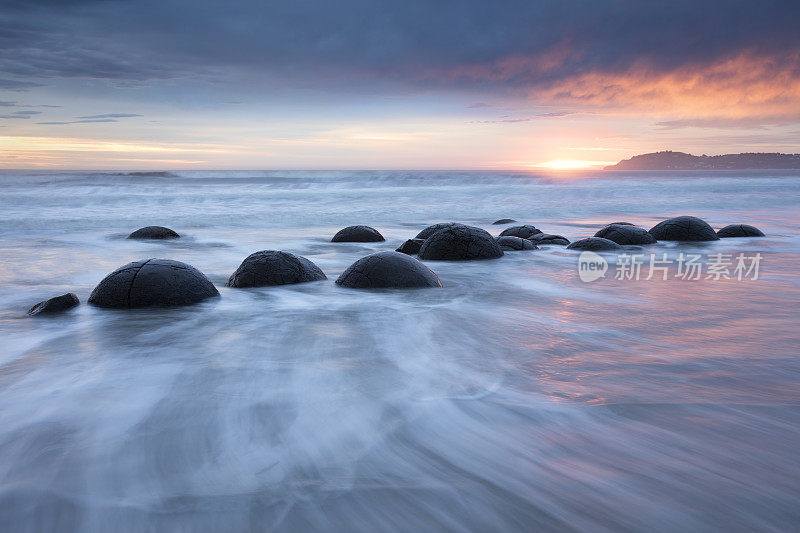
x=55 y=305
x=273 y=267
x=504 y=221
x=684 y=229
x=626 y=235
x=460 y=243
x=594 y=244
x=513 y=244
x=548 y=238
x=152 y=283
x=526 y=231
x=411 y=246
x=358 y=234
x=383 y=270
x=153 y=232
x=739 y=230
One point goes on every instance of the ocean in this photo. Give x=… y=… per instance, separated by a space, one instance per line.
x=515 y=398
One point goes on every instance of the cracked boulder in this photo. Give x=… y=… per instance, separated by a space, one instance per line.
x=740 y=230
x=460 y=243
x=525 y=232
x=504 y=221
x=514 y=244
x=548 y=238
x=411 y=246
x=358 y=234
x=430 y=230
x=273 y=267
x=594 y=244
x=154 y=233
x=683 y=229
x=626 y=235
x=55 y=305
x=152 y=283
x=383 y=270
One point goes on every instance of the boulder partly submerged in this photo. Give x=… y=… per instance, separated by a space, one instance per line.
x=358 y=234
x=433 y=228
x=504 y=221
x=273 y=267
x=55 y=305
x=411 y=246
x=460 y=243
x=152 y=283
x=626 y=235
x=153 y=233
x=594 y=244
x=739 y=230
x=515 y=244
x=549 y=238
x=525 y=231
x=684 y=228
x=384 y=270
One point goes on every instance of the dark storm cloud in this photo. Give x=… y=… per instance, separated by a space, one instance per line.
x=465 y=43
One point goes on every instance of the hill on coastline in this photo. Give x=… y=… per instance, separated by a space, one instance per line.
x=669 y=160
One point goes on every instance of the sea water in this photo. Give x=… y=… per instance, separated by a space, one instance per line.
x=516 y=397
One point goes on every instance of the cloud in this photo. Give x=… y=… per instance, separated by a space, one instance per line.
x=111 y=115
x=6 y=103
x=27 y=112
x=90 y=121
x=15 y=116
x=506 y=119
x=626 y=54
x=15 y=85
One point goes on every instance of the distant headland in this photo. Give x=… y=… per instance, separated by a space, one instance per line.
x=681 y=161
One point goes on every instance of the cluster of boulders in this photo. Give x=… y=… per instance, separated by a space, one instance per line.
x=165 y=283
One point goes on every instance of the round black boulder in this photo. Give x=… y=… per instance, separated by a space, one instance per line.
x=55 y=305
x=358 y=234
x=504 y=221
x=683 y=229
x=626 y=235
x=460 y=243
x=273 y=267
x=594 y=244
x=411 y=246
x=524 y=232
x=514 y=244
x=740 y=230
x=152 y=283
x=430 y=230
x=548 y=238
x=153 y=232
x=383 y=270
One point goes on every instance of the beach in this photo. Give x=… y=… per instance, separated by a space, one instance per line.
x=515 y=396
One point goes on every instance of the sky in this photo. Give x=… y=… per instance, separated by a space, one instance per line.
x=368 y=84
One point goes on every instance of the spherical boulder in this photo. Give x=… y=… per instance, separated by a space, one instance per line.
x=383 y=270
x=152 y=283
x=514 y=244
x=683 y=229
x=594 y=244
x=55 y=305
x=153 y=233
x=626 y=235
x=460 y=243
x=504 y=221
x=411 y=246
x=548 y=238
x=358 y=234
x=740 y=230
x=526 y=231
x=430 y=230
x=273 y=267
